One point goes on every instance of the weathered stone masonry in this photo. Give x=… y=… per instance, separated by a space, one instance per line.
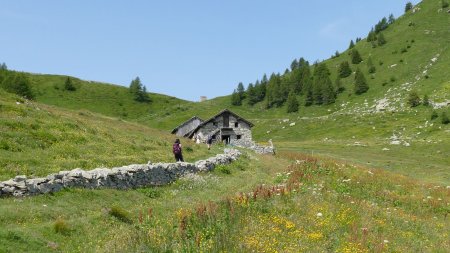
x=131 y=176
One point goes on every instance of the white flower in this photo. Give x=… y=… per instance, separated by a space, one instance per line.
x=319 y=214
x=385 y=241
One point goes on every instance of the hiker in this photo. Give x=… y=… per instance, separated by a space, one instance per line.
x=209 y=142
x=176 y=149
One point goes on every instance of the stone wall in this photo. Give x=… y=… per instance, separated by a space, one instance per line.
x=131 y=176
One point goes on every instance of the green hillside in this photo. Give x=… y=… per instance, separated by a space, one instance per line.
x=37 y=139
x=366 y=173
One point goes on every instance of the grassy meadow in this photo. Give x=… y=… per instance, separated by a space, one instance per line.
x=336 y=183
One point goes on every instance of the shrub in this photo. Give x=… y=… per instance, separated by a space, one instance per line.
x=223 y=169
x=121 y=214
x=434 y=115
x=403 y=50
x=61 y=227
x=189 y=149
x=150 y=192
x=413 y=99
x=426 y=100
x=444 y=118
x=444 y=4
x=393 y=79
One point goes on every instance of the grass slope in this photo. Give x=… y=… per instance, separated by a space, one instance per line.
x=37 y=139
x=259 y=203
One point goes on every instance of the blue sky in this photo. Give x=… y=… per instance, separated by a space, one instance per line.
x=180 y=48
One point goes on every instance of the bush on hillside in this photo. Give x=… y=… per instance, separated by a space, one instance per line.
x=17 y=83
x=425 y=100
x=434 y=115
x=444 y=4
x=61 y=227
x=121 y=214
x=444 y=118
x=413 y=99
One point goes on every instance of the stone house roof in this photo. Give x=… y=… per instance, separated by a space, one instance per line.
x=185 y=123
x=191 y=133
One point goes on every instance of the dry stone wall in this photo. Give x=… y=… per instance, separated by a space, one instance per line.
x=131 y=176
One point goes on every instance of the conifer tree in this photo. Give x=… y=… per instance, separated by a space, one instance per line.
x=139 y=91
x=381 y=25
x=309 y=100
x=391 y=19
x=380 y=39
x=68 y=85
x=372 y=36
x=294 y=65
x=370 y=66
x=356 y=57
x=292 y=103
x=352 y=44
x=236 y=98
x=252 y=96
x=323 y=90
x=408 y=6
x=338 y=84
x=3 y=67
x=344 y=69
x=240 y=90
x=361 y=85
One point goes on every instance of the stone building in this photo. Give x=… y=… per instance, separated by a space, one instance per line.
x=183 y=129
x=226 y=126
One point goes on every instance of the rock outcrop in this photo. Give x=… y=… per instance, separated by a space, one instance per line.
x=131 y=176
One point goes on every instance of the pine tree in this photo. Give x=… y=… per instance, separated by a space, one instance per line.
x=370 y=66
x=391 y=19
x=323 y=90
x=236 y=98
x=381 y=25
x=408 y=6
x=3 y=67
x=381 y=40
x=252 y=95
x=139 y=91
x=352 y=45
x=292 y=103
x=361 y=85
x=240 y=90
x=68 y=85
x=372 y=36
x=344 y=69
x=309 y=100
x=356 y=57
x=294 y=65
x=413 y=99
x=338 y=84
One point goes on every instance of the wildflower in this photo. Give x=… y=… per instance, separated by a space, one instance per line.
x=385 y=241
x=319 y=214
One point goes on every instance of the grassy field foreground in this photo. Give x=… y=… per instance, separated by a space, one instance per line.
x=288 y=203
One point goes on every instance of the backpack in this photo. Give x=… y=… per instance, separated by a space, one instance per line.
x=176 y=149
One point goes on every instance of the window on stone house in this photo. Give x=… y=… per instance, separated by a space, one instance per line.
x=238 y=136
x=236 y=124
